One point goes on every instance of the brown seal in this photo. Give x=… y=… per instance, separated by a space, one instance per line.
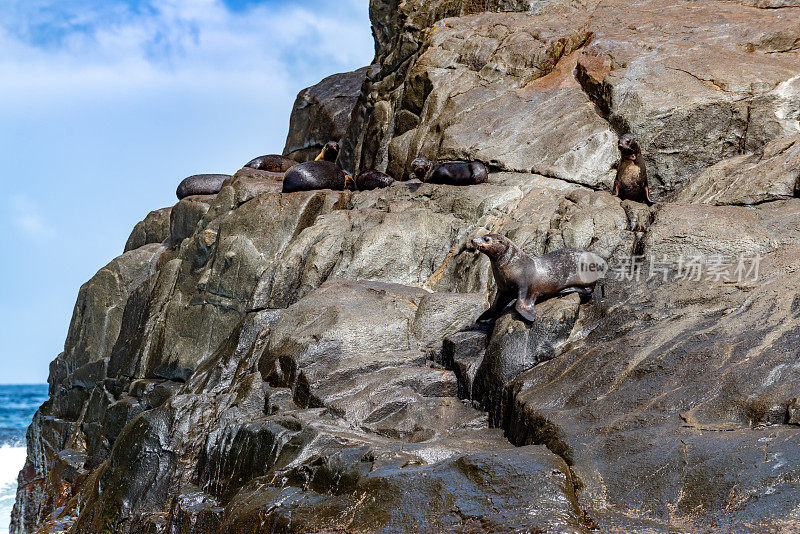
x=329 y=152
x=372 y=179
x=271 y=163
x=631 y=182
x=316 y=175
x=525 y=278
x=452 y=173
x=201 y=184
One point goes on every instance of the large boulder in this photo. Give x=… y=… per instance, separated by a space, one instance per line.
x=321 y=113
x=155 y=228
x=678 y=382
x=97 y=317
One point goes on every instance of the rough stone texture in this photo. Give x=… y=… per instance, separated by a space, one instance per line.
x=155 y=228
x=97 y=317
x=321 y=113
x=696 y=86
x=463 y=352
x=671 y=410
x=771 y=174
x=194 y=330
x=261 y=362
x=516 y=346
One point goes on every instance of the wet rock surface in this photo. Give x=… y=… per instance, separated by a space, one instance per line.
x=267 y=362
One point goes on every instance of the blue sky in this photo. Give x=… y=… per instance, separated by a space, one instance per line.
x=105 y=105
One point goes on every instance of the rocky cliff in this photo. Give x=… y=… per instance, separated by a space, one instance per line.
x=267 y=362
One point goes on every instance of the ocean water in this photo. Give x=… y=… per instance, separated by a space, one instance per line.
x=17 y=406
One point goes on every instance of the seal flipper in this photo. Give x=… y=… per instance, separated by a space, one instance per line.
x=526 y=304
x=582 y=291
x=485 y=323
x=526 y=309
x=647 y=199
x=501 y=300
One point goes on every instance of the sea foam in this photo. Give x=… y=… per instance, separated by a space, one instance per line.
x=12 y=459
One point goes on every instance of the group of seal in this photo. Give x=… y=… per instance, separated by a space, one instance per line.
x=519 y=277
x=321 y=173
x=324 y=173
x=523 y=278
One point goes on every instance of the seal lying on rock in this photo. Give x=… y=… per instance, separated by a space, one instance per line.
x=631 y=181
x=519 y=276
x=271 y=163
x=201 y=184
x=372 y=179
x=452 y=173
x=329 y=152
x=316 y=175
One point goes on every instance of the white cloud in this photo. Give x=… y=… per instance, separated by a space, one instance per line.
x=27 y=217
x=60 y=48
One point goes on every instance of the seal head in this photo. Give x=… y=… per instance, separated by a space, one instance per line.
x=629 y=147
x=420 y=168
x=330 y=152
x=495 y=246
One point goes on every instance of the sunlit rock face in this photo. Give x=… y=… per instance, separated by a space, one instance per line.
x=266 y=362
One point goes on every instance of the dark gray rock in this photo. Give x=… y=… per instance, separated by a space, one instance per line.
x=155 y=228
x=322 y=113
x=517 y=345
x=463 y=352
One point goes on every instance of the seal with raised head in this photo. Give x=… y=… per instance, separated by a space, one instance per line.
x=316 y=175
x=329 y=152
x=372 y=179
x=271 y=163
x=201 y=184
x=525 y=278
x=452 y=173
x=631 y=181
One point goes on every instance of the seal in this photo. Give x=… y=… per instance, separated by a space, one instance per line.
x=201 y=184
x=524 y=278
x=271 y=163
x=372 y=179
x=631 y=181
x=329 y=152
x=452 y=173
x=316 y=175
